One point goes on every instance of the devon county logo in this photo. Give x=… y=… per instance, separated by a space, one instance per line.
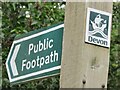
x=98 y=25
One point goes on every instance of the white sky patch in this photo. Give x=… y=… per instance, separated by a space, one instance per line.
x=54 y=6
x=63 y=6
x=27 y=14
x=23 y=6
x=116 y=0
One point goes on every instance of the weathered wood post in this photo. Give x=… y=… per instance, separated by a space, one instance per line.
x=84 y=65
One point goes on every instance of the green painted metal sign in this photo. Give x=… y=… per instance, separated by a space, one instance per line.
x=36 y=54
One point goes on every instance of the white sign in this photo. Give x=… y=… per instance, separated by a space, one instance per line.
x=98 y=27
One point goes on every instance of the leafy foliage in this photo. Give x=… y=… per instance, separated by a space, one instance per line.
x=114 y=71
x=18 y=18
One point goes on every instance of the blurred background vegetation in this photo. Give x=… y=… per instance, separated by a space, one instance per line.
x=22 y=17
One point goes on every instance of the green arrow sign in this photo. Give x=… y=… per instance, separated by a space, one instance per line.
x=36 y=54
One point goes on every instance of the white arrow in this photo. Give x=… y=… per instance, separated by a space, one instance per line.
x=12 y=61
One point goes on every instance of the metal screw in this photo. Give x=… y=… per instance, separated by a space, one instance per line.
x=103 y=86
x=84 y=81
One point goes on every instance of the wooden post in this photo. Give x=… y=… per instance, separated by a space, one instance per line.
x=83 y=65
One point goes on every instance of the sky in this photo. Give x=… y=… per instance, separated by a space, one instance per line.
x=116 y=0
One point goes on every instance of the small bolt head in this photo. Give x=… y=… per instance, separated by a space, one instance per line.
x=84 y=81
x=103 y=86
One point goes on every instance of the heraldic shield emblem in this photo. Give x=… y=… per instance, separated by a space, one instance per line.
x=98 y=27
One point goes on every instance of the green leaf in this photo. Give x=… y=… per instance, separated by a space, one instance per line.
x=34 y=22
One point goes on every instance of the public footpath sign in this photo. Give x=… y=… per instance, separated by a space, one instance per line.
x=36 y=54
x=98 y=27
